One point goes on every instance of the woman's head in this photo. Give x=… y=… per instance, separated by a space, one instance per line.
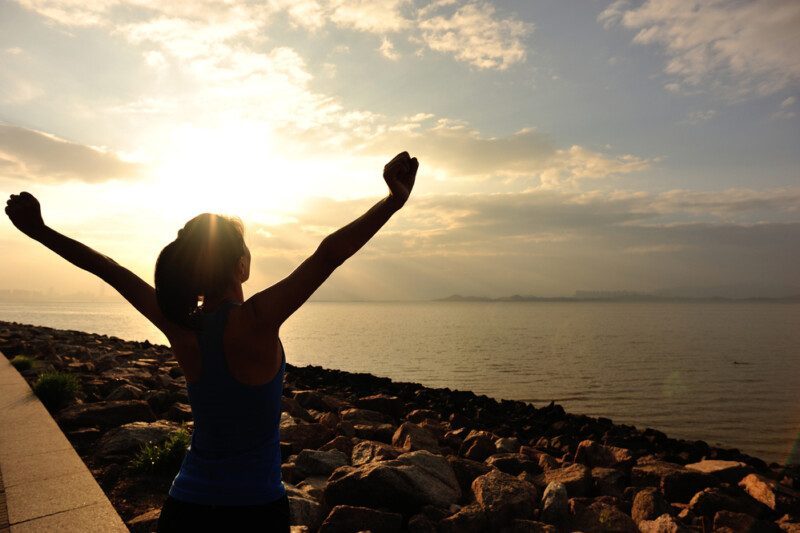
x=208 y=258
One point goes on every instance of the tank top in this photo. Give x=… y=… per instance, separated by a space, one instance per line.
x=234 y=457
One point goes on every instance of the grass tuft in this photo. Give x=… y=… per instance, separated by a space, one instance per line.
x=22 y=362
x=162 y=459
x=56 y=389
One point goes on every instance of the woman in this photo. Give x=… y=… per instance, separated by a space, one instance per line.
x=229 y=350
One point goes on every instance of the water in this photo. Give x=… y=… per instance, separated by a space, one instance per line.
x=726 y=373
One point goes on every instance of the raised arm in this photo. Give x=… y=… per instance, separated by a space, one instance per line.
x=25 y=213
x=275 y=304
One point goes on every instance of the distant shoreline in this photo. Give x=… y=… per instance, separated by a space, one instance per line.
x=632 y=298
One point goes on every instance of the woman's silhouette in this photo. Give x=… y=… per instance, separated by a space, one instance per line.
x=229 y=349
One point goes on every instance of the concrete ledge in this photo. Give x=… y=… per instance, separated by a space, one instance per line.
x=47 y=484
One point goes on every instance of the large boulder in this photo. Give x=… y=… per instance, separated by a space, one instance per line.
x=106 y=414
x=649 y=504
x=708 y=502
x=367 y=451
x=356 y=415
x=677 y=483
x=318 y=463
x=576 y=478
x=777 y=497
x=513 y=463
x=592 y=454
x=129 y=438
x=733 y=522
x=126 y=392
x=404 y=484
x=349 y=518
x=609 y=481
x=727 y=471
x=410 y=437
x=664 y=524
x=384 y=403
x=311 y=399
x=379 y=431
x=304 y=511
x=601 y=517
x=469 y=519
x=504 y=497
x=466 y=471
x=144 y=522
x=303 y=435
x=555 y=503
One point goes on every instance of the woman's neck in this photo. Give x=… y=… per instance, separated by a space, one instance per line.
x=233 y=294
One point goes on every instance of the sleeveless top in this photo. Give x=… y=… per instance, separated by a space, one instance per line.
x=235 y=456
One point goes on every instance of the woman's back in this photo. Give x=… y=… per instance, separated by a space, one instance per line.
x=234 y=458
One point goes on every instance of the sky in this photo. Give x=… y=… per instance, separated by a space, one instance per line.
x=563 y=144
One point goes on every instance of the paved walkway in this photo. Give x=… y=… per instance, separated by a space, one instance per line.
x=47 y=485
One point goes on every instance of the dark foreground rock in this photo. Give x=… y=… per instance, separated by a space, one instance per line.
x=362 y=452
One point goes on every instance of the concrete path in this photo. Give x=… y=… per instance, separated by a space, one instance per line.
x=47 y=486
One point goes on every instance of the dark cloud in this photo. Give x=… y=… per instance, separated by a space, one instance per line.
x=32 y=155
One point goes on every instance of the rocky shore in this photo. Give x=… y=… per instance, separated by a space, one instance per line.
x=362 y=452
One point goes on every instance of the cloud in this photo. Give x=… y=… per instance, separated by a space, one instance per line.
x=387 y=50
x=786 y=109
x=373 y=16
x=33 y=155
x=474 y=34
x=733 y=48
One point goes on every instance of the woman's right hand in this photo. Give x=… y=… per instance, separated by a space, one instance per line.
x=399 y=174
x=25 y=213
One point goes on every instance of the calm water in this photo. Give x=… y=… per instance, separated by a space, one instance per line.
x=726 y=373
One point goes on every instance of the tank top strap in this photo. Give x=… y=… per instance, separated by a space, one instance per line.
x=210 y=339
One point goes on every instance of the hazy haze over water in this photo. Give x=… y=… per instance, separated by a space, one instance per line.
x=726 y=373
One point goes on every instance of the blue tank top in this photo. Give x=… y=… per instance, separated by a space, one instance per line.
x=235 y=454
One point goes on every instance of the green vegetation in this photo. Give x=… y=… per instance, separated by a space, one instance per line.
x=56 y=389
x=22 y=362
x=162 y=459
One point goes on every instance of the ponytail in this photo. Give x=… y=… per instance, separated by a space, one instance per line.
x=198 y=265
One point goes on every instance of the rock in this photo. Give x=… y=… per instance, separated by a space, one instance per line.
x=106 y=414
x=466 y=470
x=126 y=392
x=468 y=519
x=788 y=524
x=419 y=523
x=320 y=463
x=649 y=504
x=373 y=431
x=316 y=400
x=356 y=414
x=367 y=451
x=128 y=438
x=727 y=471
x=349 y=518
x=304 y=511
x=303 y=435
x=410 y=437
x=478 y=448
x=709 y=501
x=592 y=454
x=81 y=438
x=179 y=412
x=608 y=481
x=677 y=483
x=600 y=517
x=384 y=403
x=513 y=463
x=313 y=486
x=663 y=524
x=341 y=443
x=777 y=497
x=520 y=525
x=293 y=408
x=555 y=503
x=418 y=415
x=743 y=523
x=504 y=497
x=507 y=445
x=404 y=484
x=576 y=479
x=144 y=522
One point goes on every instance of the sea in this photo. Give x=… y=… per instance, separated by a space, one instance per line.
x=724 y=372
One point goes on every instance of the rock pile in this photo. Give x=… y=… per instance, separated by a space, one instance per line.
x=362 y=452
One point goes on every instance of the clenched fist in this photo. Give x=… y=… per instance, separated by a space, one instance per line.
x=25 y=213
x=399 y=174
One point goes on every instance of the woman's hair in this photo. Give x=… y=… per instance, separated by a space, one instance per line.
x=199 y=264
